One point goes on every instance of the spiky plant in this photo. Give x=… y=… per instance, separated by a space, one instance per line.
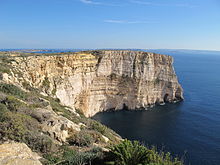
x=129 y=153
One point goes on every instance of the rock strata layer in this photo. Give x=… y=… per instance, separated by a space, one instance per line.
x=96 y=81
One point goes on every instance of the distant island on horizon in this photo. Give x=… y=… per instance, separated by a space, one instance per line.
x=60 y=50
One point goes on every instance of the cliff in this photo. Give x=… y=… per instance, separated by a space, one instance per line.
x=96 y=81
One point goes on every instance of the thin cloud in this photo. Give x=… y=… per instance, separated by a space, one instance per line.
x=161 y=4
x=90 y=2
x=126 y=21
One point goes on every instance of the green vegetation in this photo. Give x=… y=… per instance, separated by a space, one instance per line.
x=82 y=138
x=13 y=104
x=67 y=156
x=63 y=110
x=12 y=90
x=18 y=126
x=5 y=62
x=103 y=130
x=28 y=87
x=54 y=91
x=16 y=122
x=21 y=122
x=133 y=153
x=125 y=153
x=4 y=68
x=46 y=83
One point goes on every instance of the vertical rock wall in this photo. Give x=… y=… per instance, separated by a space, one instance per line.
x=96 y=81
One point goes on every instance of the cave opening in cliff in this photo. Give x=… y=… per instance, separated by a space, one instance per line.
x=125 y=107
x=165 y=99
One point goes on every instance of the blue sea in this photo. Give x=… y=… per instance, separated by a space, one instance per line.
x=189 y=129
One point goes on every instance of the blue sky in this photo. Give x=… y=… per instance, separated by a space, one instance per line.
x=155 y=24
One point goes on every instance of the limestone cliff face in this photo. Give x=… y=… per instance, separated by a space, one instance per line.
x=96 y=81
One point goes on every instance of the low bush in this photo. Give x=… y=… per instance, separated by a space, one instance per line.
x=71 y=157
x=79 y=158
x=46 y=83
x=110 y=134
x=4 y=68
x=94 y=125
x=133 y=153
x=13 y=104
x=22 y=128
x=12 y=90
x=81 y=138
x=39 y=142
x=28 y=87
x=57 y=107
x=12 y=126
x=128 y=153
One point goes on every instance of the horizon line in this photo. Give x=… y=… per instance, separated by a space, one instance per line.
x=109 y=49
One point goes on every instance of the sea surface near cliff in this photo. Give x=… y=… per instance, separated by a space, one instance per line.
x=193 y=125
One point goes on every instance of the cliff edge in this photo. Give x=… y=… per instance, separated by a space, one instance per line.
x=95 y=81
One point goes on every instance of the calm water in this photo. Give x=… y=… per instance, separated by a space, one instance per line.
x=193 y=125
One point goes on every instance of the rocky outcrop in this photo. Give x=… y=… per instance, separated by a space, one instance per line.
x=96 y=81
x=17 y=154
x=56 y=126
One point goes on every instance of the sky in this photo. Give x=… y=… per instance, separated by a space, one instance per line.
x=141 y=24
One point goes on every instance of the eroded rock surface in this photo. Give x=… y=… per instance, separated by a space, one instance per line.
x=56 y=126
x=96 y=81
x=17 y=154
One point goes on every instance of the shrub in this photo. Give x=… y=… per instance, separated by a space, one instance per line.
x=39 y=142
x=94 y=125
x=13 y=104
x=82 y=138
x=110 y=134
x=162 y=158
x=36 y=102
x=57 y=107
x=55 y=104
x=4 y=68
x=51 y=159
x=3 y=108
x=129 y=153
x=12 y=126
x=79 y=158
x=28 y=87
x=54 y=91
x=70 y=157
x=133 y=153
x=80 y=112
x=46 y=83
x=12 y=90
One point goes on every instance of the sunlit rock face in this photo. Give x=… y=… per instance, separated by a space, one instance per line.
x=96 y=81
x=17 y=154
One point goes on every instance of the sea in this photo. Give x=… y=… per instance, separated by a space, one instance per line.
x=188 y=129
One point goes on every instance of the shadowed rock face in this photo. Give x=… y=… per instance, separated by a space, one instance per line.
x=96 y=81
